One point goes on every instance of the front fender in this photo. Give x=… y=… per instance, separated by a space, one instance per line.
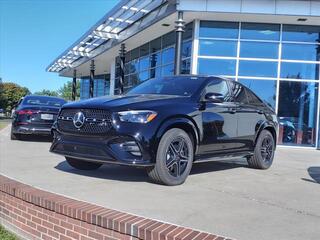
x=264 y=125
x=179 y=122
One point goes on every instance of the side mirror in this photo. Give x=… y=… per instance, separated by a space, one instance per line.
x=214 y=97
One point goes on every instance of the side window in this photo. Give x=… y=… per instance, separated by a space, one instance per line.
x=252 y=98
x=238 y=93
x=219 y=86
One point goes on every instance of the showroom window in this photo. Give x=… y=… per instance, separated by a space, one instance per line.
x=210 y=29
x=84 y=88
x=230 y=49
x=301 y=33
x=155 y=59
x=218 y=47
x=101 y=86
x=280 y=63
x=298 y=70
x=298 y=112
x=298 y=51
x=260 y=31
x=258 y=68
x=259 y=50
x=221 y=66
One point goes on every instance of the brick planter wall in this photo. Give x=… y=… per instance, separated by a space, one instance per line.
x=37 y=214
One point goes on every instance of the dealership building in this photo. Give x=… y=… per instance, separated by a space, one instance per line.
x=271 y=46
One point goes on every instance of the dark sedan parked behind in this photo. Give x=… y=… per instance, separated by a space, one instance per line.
x=35 y=115
x=165 y=125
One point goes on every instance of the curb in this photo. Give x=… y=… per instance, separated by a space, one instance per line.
x=38 y=214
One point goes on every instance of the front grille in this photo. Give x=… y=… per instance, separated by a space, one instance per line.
x=96 y=121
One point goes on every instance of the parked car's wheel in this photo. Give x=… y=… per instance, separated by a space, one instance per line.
x=15 y=136
x=174 y=158
x=82 y=165
x=263 y=152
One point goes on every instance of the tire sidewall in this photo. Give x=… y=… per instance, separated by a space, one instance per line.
x=258 y=155
x=165 y=141
x=14 y=136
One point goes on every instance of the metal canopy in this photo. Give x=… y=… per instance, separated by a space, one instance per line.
x=123 y=21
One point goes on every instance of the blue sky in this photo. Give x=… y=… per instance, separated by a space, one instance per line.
x=34 y=32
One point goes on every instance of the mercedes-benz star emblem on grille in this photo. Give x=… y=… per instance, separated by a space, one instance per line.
x=78 y=119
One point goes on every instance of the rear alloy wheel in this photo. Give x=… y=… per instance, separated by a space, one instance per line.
x=263 y=152
x=82 y=165
x=174 y=158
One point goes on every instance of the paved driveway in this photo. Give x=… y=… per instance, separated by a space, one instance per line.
x=224 y=198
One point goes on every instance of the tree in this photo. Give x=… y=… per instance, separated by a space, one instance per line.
x=46 y=92
x=66 y=91
x=11 y=94
x=1 y=94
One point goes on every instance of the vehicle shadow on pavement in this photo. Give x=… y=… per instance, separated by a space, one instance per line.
x=111 y=172
x=217 y=166
x=314 y=173
x=131 y=174
x=36 y=139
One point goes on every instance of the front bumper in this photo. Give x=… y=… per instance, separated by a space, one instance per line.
x=102 y=149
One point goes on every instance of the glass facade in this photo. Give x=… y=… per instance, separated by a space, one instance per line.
x=101 y=86
x=280 y=63
x=298 y=112
x=154 y=59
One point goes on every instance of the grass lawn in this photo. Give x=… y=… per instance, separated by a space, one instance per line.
x=3 y=124
x=5 y=235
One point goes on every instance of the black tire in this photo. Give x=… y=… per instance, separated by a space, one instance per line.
x=15 y=136
x=82 y=165
x=174 y=158
x=263 y=151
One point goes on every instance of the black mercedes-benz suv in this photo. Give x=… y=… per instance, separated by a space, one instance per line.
x=34 y=115
x=167 y=124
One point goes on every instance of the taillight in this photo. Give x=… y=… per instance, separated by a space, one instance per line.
x=26 y=112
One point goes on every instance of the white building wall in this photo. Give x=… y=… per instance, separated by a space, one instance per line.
x=275 y=7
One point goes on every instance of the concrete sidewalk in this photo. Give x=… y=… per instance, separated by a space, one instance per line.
x=226 y=198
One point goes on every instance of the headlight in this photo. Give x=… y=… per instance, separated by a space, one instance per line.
x=137 y=116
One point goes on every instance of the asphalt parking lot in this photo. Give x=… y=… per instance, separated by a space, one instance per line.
x=225 y=198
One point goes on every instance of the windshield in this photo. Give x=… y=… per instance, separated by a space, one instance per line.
x=43 y=101
x=182 y=86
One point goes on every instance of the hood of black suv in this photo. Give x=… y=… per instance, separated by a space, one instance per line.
x=127 y=101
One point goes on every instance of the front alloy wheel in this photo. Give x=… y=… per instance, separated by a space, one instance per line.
x=266 y=148
x=177 y=157
x=174 y=158
x=263 y=151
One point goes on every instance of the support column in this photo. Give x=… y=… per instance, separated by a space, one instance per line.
x=112 y=77
x=180 y=25
x=74 y=85
x=122 y=56
x=195 y=47
x=92 y=68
